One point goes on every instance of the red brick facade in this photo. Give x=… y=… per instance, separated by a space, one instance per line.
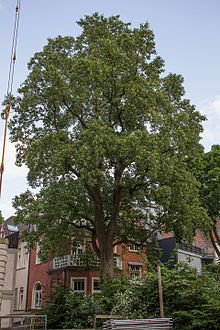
x=49 y=278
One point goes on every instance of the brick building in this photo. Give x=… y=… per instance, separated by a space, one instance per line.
x=76 y=272
x=33 y=280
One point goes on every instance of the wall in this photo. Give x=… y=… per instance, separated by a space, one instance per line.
x=41 y=272
x=131 y=257
x=9 y=284
x=3 y=261
x=21 y=280
x=193 y=260
x=49 y=278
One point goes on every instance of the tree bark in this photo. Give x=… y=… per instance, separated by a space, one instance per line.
x=215 y=238
x=107 y=261
x=215 y=246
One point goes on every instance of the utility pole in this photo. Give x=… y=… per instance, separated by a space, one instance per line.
x=160 y=291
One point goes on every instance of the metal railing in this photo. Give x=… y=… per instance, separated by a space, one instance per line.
x=23 y=322
x=191 y=248
x=73 y=260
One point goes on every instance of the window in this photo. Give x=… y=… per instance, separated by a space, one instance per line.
x=21 y=298
x=37 y=296
x=16 y=298
x=25 y=255
x=79 y=285
x=95 y=285
x=19 y=258
x=134 y=248
x=78 y=250
x=135 y=270
x=38 y=259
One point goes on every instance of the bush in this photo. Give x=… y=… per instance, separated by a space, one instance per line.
x=192 y=300
x=55 y=308
x=80 y=311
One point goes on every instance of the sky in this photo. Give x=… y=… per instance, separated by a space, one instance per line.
x=187 y=38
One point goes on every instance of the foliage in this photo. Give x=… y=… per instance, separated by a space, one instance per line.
x=1 y=218
x=107 y=139
x=106 y=300
x=55 y=308
x=66 y=310
x=192 y=300
x=80 y=311
x=207 y=171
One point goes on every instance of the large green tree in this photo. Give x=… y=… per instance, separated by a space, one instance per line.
x=107 y=137
x=207 y=171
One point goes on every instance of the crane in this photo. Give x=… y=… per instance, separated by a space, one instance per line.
x=10 y=85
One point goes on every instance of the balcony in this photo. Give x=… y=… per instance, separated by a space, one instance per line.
x=73 y=260
x=191 y=248
x=80 y=260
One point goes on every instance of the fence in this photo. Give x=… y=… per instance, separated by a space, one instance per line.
x=23 y=322
x=156 y=324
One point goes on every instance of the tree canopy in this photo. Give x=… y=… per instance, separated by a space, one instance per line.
x=107 y=138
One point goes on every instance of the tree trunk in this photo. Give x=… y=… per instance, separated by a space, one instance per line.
x=215 y=238
x=215 y=246
x=105 y=233
x=106 y=260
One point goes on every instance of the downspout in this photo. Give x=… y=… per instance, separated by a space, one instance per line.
x=28 y=278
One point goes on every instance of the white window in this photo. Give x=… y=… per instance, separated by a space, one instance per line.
x=21 y=298
x=25 y=255
x=79 y=284
x=38 y=259
x=95 y=285
x=135 y=270
x=19 y=258
x=78 y=250
x=134 y=248
x=37 y=296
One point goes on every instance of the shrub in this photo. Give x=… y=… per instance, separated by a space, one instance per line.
x=192 y=300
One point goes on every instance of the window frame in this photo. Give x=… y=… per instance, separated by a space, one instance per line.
x=93 y=280
x=37 y=293
x=134 y=248
x=38 y=259
x=21 y=298
x=78 y=250
x=134 y=272
x=73 y=279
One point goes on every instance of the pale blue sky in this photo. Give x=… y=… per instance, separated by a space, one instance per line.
x=186 y=33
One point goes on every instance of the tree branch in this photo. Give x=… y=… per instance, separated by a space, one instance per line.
x=75 y=114
x=81 y=226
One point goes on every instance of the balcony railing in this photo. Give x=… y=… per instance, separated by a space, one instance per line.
x=191 y=248
x=73 y=260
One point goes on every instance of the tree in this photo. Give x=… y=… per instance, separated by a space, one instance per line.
x=1 y=218
x=208 y=174
x=107 y=138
